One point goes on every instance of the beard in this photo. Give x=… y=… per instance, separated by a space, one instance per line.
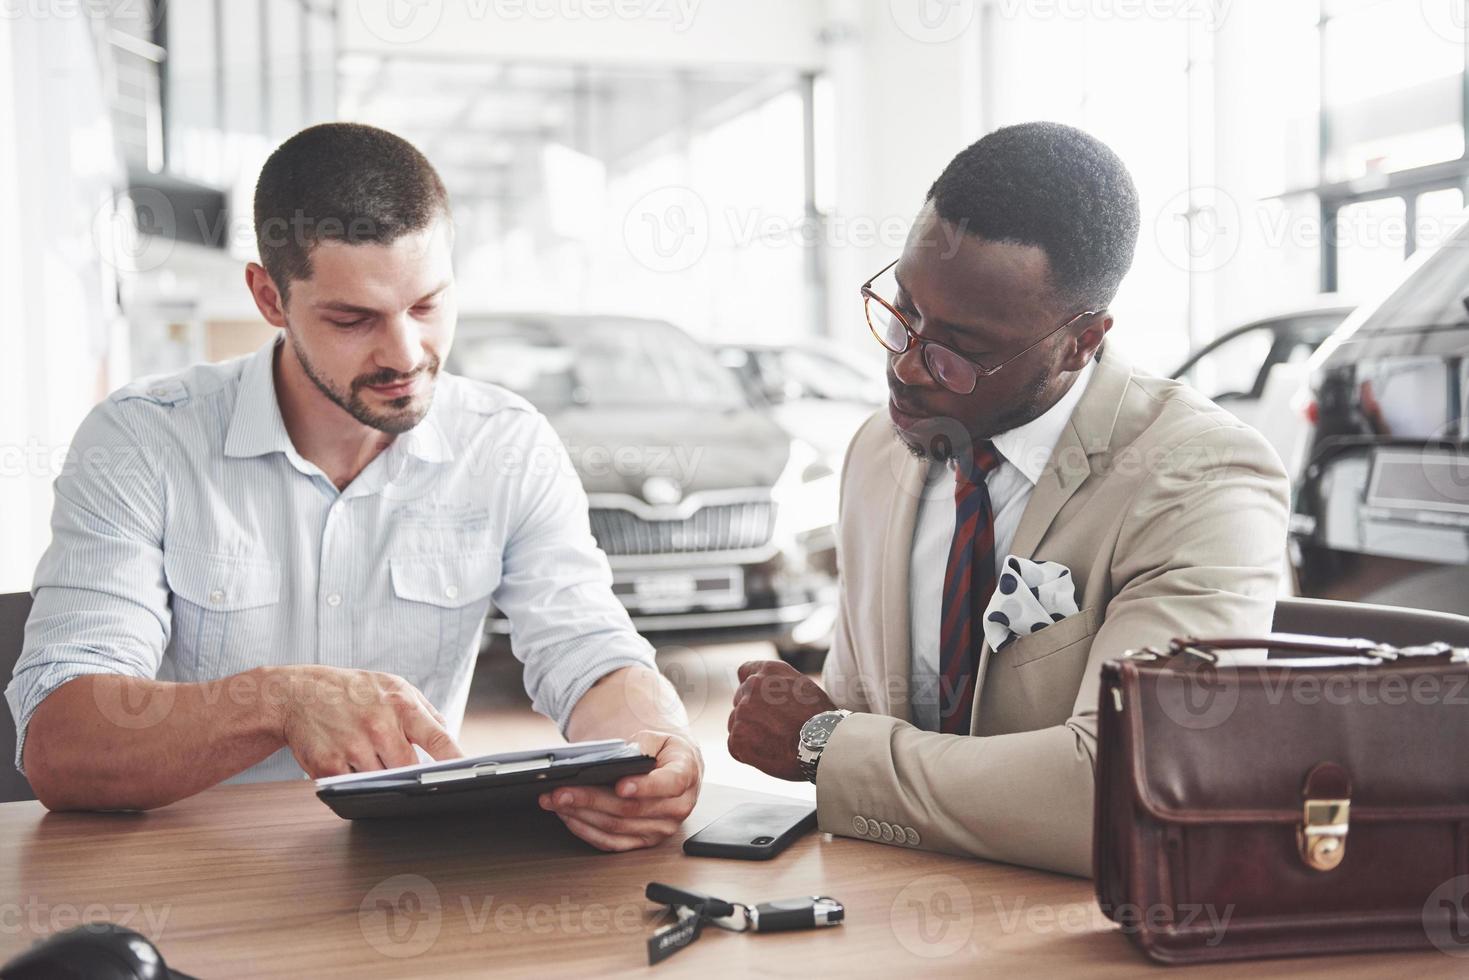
x=402 y=414
x=944 y=439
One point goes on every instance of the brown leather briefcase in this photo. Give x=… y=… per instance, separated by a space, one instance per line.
x=1315 y=801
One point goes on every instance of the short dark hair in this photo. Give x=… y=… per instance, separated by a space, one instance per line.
x=1054 y=187
x=340 y=181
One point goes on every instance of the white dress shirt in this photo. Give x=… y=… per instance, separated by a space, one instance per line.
x=191 y=542
x=1025 y=450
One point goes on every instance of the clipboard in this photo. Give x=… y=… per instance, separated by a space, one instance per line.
x=509 y=780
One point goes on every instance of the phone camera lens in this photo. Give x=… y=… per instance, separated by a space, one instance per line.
x=762 y=840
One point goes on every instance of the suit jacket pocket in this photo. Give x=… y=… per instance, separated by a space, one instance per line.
x=1053 y=639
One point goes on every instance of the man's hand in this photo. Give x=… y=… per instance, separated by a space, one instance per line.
x=640 y=811
x=771 y=704
x=337 y=720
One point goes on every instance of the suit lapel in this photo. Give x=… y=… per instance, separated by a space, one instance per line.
x=907 y=483
x=1087 y=433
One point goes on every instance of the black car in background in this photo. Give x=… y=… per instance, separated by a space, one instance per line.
x=713 y=518
x=1381 y=509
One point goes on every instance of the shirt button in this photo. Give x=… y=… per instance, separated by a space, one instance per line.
x=452 y=592
x=859 y=824
x=334 y=600
x=217 y=596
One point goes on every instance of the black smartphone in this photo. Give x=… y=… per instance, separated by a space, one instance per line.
x=753 y=831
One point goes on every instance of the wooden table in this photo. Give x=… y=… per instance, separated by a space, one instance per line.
x=263 y=880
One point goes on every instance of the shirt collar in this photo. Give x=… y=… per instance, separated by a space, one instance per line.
x=1028 y=447
x=257 y=428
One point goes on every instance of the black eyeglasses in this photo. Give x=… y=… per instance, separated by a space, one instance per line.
x=957 y=372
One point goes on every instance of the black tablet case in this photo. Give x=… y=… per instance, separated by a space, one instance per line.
x=488 y=792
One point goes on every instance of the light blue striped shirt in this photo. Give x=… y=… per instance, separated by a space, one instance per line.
x=191 y=541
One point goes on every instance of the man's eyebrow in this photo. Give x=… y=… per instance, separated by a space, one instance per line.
x=340 y=307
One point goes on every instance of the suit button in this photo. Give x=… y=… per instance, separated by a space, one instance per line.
x=912 y=837
x=859 y=824
x=886 y=829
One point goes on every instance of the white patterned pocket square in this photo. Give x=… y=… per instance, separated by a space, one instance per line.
x=1029 y=596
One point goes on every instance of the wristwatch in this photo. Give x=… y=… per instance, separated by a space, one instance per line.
x=815 y=733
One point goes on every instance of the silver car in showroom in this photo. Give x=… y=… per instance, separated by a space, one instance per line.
x=717 y=523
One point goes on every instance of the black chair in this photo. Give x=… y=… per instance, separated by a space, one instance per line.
x=1396 y=625
x=14 y=609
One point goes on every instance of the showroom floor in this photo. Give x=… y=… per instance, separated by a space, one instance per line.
x=499 y=716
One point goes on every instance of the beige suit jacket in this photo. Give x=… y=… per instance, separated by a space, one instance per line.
x=1171 y=515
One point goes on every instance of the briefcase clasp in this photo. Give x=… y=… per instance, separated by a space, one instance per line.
x=1322 y=835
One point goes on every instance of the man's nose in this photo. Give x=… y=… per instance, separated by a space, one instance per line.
x=908 y=368
x=402 y=349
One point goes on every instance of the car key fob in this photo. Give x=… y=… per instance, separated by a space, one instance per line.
x=808 y=912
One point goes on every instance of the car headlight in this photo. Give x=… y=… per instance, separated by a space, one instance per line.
x=806 y=495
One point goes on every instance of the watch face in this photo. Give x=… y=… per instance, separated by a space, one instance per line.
x=818 y=729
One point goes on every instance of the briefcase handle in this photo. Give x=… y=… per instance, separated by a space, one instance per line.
x=1300 y=643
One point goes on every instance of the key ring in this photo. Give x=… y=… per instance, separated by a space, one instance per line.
x=695 y=909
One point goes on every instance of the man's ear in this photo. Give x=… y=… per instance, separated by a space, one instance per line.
x=1084 y=347
x=267 y=297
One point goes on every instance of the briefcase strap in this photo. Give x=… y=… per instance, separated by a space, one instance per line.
x=1299 y=643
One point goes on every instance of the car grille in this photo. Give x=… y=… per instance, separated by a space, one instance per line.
x=717 y=527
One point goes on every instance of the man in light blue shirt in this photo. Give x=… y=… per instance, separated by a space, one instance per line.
x=283 y=563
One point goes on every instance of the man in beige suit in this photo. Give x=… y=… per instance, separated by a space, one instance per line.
x=1012 y=431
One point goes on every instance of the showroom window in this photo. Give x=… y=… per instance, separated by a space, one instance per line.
x=1392 y=123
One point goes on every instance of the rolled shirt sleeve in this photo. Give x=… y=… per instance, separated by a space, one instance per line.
x=566 y=625
x=101 y=602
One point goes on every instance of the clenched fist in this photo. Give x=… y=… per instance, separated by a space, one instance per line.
x=771 y=704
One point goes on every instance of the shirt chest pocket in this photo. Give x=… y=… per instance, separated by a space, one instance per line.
x=225 y=611
x=439 y=604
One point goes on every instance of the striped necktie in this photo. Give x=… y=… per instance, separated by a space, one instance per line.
x=969 y=582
